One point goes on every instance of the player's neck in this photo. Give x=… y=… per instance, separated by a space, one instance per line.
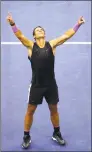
x=40 y=42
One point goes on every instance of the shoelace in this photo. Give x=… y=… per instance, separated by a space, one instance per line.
x=26 y=138
x=59 y=135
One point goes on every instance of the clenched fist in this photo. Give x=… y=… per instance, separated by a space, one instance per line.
x=10 y=19
x=81 y=20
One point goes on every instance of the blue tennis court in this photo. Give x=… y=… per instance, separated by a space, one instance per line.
x=72 y=70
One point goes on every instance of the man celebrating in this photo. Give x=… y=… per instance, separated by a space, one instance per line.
x=41 y=55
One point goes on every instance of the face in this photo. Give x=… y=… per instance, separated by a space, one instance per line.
x=39 y=33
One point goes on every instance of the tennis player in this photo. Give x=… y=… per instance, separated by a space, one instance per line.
x=41 y=54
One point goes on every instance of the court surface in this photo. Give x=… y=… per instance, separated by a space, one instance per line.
x=72 y=69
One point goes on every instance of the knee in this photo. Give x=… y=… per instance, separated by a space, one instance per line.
x=53 y=110
x=31 y=110
x=54 y=113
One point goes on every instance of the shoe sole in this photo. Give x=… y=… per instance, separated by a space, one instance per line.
x=28 y=145
x=54 y=139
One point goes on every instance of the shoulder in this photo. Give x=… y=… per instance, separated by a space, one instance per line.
x=52 y=47
x=31 y=44
x=49 y=44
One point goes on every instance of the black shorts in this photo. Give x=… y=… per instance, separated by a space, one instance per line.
x=50 y=93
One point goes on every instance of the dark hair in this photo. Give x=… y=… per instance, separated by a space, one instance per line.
x=35 y=29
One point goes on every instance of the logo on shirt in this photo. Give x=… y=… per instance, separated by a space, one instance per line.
x=46 y=50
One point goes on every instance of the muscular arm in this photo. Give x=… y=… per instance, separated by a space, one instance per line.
x=26 y=42
x=67 y=35
x=60 y=40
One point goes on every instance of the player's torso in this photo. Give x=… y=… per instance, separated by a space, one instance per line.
x=42 y=57
x=42 y=63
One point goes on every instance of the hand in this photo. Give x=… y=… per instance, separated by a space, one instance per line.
x=81 y=20
x=9 y=19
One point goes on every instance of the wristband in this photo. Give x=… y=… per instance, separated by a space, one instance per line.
x=14 y=28
x=12 y=24
x=76 y=27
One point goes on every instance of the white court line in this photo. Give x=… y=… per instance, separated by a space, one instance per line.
x=19 y=43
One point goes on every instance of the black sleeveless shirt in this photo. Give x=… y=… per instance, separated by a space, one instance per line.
x=42 y=63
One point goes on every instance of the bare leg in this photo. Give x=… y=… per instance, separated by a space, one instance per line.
x=54 y=115
x=29 y=117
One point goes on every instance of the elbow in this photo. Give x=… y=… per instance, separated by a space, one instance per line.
x=20 y=38
x=69 y=36
x=69 y=33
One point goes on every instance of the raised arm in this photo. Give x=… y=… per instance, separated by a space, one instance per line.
x=67 y=35
x=26 y=42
